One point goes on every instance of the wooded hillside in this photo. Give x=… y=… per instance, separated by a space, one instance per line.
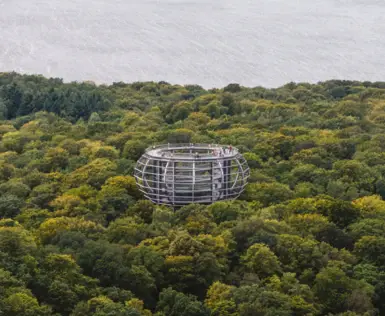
x=76 y=237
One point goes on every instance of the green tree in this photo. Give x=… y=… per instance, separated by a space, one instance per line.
x=128 y=230
x=173 y=303
x=22 y=304
x=261 y=260
x=10 y=205
x=337 y=292
x=103 y=306
x=371 y=249
x=219 y=300
x=267 y=193
x=95 y=173
x=133 y=149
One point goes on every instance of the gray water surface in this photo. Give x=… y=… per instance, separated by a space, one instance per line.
x=206 y=42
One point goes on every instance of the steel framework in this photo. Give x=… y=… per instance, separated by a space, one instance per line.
x=180 y=174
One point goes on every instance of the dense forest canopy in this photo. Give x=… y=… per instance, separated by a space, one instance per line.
x=307 y=237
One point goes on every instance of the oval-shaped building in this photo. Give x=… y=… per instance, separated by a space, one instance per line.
x=180 y=174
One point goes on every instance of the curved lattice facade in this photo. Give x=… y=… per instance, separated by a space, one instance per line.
x=180 y=174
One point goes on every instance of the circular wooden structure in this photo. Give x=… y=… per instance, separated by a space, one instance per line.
x=180 y=174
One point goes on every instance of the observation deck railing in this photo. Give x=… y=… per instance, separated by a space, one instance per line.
x=196 y=151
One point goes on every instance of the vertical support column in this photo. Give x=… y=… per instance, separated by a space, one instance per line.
x=173 y=183
x=158 y=173
x=227 y=175
x=153 y=181
x=212 y=181
x=193 y=182
x=161 y=181
x=151 y=169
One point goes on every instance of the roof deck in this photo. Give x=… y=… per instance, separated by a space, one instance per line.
x=191 y=151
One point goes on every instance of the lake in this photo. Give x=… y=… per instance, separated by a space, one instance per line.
x=206 y=42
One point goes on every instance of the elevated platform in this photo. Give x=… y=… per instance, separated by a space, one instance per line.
x=191 y=151
x=180 y=174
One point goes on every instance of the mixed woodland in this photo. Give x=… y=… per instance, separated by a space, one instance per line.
x=77 y=238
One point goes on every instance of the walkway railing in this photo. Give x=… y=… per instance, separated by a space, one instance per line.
x=191 y=151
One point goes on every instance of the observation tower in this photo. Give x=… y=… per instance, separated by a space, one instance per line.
x=180 y=174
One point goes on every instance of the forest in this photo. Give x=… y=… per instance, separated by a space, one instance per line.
x=77 y=238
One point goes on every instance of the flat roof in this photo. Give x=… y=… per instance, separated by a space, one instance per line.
x=191 y=151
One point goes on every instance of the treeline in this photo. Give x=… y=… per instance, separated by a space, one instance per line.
x=76 y=237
